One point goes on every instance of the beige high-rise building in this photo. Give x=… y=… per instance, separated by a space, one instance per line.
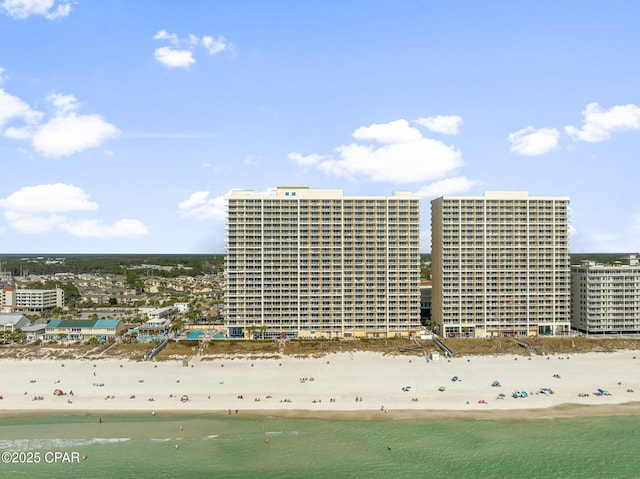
x=500 y=265
x=307 y=262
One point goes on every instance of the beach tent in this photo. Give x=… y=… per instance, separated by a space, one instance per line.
x=58 y=392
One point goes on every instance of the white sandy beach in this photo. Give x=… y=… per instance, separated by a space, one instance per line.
x=328 y=385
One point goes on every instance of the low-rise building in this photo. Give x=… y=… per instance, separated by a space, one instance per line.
x=34 y=332
x=181 y=307
x=159 y=313
x=82 y=330
x=13 y=321
x=153 y=330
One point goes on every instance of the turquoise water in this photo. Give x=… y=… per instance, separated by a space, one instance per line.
x=234 y=447
x=194 y=334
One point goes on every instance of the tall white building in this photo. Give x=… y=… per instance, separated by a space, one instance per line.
x=315 y=263
x=606 y=297
x=500 y=265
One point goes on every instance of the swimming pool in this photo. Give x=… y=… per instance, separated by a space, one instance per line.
x=194 y=334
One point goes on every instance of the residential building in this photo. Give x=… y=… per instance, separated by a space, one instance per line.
x=182 y=307
x=11 y=322
x=82 y=330
x=500 y=265
x=606 y=297
x=34 y=300
x=34 y=332
x=153 y=330
x=314 y=263
x=159 y=313
x=426 y=292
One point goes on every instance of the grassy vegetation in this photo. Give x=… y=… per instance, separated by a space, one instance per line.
x=318 y=348
x=564 y=345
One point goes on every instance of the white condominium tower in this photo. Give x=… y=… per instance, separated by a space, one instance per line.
x=606 y=297
x=500 y=265
x=307 y=262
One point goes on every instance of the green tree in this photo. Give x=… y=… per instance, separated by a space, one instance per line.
x=132 y=280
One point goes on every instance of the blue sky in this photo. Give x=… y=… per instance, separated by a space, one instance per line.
x=124 y=123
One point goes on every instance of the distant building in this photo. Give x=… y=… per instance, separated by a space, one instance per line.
x=314 y=263
x=426 y=292
x=181 y=307
x=34 y=300
x=82 y=330
x=606 y=297
x=500 y=265
x=159 y=313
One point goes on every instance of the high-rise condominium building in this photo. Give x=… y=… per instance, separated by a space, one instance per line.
x=606 y=297
x=500 y=265
x=307 y=262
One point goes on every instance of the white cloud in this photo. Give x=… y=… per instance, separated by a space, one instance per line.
x=397 y=131
x=2 y=76
x=172 y=58
x=164 y=35
x=445 y=124
x=449 y=186
x=599 y=125
x=201 y=207
x=572 y=230
x=63 y=103
x=215 y=45
x=12 y=107
x=63 y=134
x=181 y=55
x=306 y=160
x=51 y=198
x=401 y=155
x=43 y=208
x=50 y=9
x=532 y=142
x=126 y=228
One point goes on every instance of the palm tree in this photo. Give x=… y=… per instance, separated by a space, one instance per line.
x=252 y=331
x=263 y=329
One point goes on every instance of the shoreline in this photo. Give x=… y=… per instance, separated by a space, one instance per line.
x=342 y=386
x=562 y=411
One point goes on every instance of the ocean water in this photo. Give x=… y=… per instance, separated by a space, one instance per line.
x=221 y=446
